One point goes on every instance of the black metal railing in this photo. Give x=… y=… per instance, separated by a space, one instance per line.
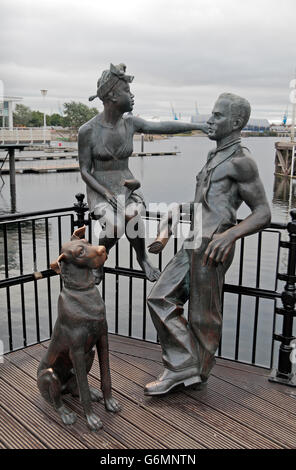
x=29 y=241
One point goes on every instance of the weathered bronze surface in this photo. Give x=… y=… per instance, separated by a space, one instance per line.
x=196 y=273
x=81 y=325
x=105 y=144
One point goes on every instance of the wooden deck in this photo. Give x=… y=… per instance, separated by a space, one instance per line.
x=238 y=409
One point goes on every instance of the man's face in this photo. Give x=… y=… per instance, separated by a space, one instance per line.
x=220 y=123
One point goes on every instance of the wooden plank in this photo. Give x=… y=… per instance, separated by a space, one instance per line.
x=137 y=348
x=256 y=370
x=248 y=417
x=267 y=426
x=283 y=401
x=239 y=408
x=282 y=162
x=35 y=421
x=39 y=169
x=134 y=342
x=279 y=417
x=124 y=426
x=237 y=431
x=170 y=409
x=94 y=440
x=166 y=435
x=263 y=439
x=115 y=424
x=253 y=374
x=76 y=436
x=187 y=438
x=15 y=436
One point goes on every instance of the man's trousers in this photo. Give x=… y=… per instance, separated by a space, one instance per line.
x=193 y=342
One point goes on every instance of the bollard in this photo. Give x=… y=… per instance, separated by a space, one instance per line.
x=284 y=373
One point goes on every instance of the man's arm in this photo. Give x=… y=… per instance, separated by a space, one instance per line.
x=252 y=192
x=166 y=127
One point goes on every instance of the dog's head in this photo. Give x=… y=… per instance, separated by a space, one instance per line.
x=80 y=252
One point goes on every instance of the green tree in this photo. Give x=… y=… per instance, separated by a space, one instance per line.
x=77 y=114
x=22 y=115
x=36 y=119
x=55 y=119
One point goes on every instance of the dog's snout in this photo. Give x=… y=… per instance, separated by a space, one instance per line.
x=101 y=251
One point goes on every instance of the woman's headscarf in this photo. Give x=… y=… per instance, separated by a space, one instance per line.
x=109 y=79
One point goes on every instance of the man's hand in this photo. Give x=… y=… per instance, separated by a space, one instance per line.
x=219 y=247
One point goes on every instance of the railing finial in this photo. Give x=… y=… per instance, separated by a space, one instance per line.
x=80 y=208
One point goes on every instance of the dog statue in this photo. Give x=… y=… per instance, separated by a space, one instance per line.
x=81 y=325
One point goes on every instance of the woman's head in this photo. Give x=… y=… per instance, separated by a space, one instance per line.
x=114 y=85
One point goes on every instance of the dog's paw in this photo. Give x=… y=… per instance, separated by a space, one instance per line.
x=68 y=417
x=112 y=405
x=95 y=394
x=94 y=422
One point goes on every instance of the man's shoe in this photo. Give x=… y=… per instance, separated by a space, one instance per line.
x=170 y=379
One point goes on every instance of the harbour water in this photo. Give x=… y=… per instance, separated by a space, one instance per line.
x=164 y=179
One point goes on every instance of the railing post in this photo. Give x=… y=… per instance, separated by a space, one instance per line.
x=284 y=373
x=80 y=209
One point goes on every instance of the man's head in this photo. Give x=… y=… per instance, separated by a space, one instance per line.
x=230 y=115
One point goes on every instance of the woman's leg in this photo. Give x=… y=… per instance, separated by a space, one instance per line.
x=110 y=231
x=135 y=233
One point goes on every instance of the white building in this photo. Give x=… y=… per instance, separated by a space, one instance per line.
x=18 y=135
x=6 y=110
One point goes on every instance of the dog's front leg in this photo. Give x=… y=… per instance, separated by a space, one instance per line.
x=111 y=404
x=78 y=359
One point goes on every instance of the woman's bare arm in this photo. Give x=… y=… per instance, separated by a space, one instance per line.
x=166 y=127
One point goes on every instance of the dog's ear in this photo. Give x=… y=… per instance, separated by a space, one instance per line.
x=79 y=233
x=56 y=264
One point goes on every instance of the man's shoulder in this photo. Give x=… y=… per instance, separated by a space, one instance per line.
x=243 y=165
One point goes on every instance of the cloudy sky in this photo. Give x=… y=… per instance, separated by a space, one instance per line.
x=180 y=51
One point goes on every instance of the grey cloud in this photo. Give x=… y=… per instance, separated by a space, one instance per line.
x=179 y=52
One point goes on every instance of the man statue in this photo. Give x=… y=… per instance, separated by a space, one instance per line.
x=196 y=273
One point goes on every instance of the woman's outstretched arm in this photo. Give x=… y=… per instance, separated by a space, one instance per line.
x=166 y=127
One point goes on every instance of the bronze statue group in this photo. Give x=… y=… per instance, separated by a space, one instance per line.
x=196 y=273
x=229 y=177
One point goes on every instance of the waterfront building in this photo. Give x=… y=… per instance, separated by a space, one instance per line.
x=254 y=125
x=6 y=110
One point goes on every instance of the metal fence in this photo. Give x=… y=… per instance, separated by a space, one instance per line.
x=29 y=241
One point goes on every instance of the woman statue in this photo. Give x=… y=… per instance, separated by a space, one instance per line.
x=105 y=144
